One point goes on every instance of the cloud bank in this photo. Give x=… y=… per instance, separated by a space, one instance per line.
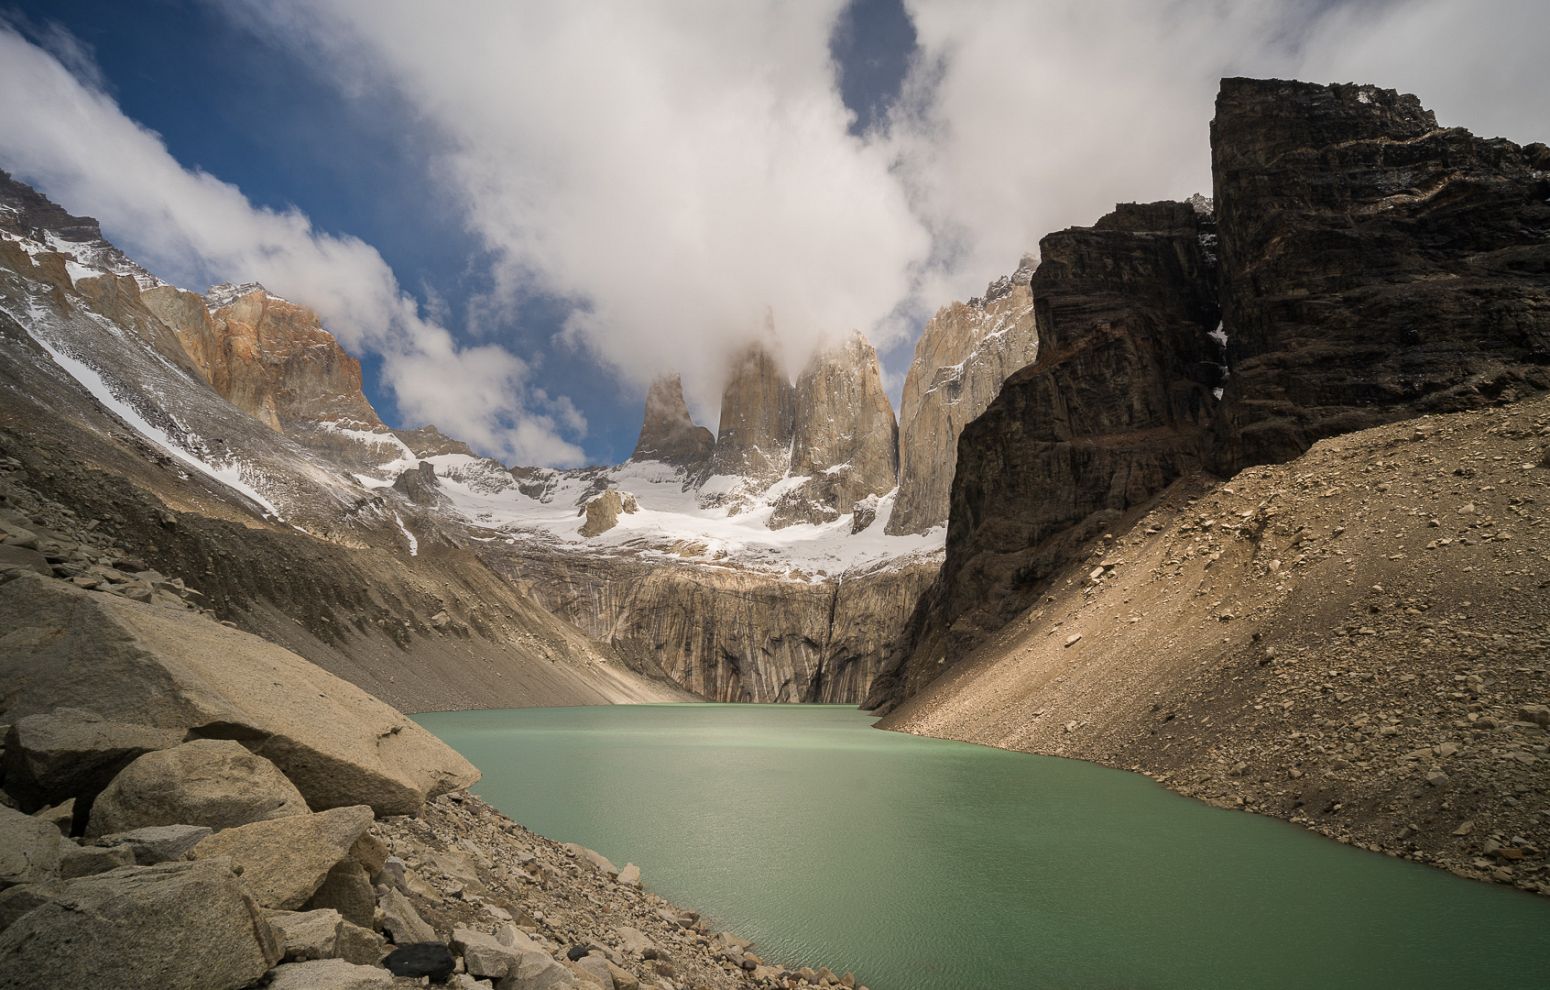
x=63 y=133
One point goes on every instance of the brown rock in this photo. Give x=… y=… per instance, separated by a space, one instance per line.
x=285 y=860
x=214 y=782
x=757 y=419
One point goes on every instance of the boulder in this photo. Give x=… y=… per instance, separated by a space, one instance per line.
x=633 y=941
x=347 y=889
x=535 y=970
x=61 y=815
x=29 y=848
x=594 y=966
x=181 y=673
x=361 y=945
x=431 y=960
x=630 y=875
x=158 y=843
x=57 y=754
x=484 y=955
x=214 y=782
x=592 y=856
x=401 y=921
x=306 y=934
x=186 y=925
x=85 y=861
x=329 y=974
x=602 y=511
x=24 y=559
x=284 y=860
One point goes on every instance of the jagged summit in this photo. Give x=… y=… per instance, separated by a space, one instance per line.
x=758 y=415
x=31 y=218
x=667 y=432
x=223 y=295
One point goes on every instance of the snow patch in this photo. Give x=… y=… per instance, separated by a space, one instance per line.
x=414 y=544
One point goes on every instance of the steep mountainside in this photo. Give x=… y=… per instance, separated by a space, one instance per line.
x=758 y=418
x=964 y=354
x=1324 y=241
x=667 y=433
x=1355 y=640
x=113 y=439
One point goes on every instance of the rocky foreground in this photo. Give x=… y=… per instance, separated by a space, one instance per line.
x=189 y=807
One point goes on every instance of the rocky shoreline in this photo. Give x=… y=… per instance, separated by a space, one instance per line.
x=188 y=806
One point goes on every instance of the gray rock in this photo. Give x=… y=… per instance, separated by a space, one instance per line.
x=347 y=889
x=62 y=816
x=192 y=677
x=630 y=875
x=633 y=941
x=24 y=558
x=595 y=965
x=158 y=843
x=306 y=935
x=329 y=974
x=214 y=782
x=283 y=861
x=186 y=925
x=597 y=859
x=69 y=753
x=360 y=945
x=29 y=848
x=401 y=921
x=484 y=956
x=535 y=970
x=85 y=861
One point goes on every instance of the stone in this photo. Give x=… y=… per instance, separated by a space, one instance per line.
x=306 y=934
x=181 y=674
x=1437 y=778
x=358 y=944
x=484 y=956
x=85 y=861
x=67 y=753
x=347 y=889
x=61 y=816
x=214 y=782
x=535 y=970
x=632 y=940
x=597 y=859
x=24 y=558
x=667 y=432
x=602 y=511
x=157 y=844
x=283 y=861
x=630 y=875
x=186 y=925
x=329 y=974
x=595 y=965
x=428 y=959
x=401 y=921
x=963 y=355
x=29 y=848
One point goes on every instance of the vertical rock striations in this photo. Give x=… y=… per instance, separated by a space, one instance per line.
x=845 y=441
x=964 y=354
x=758 y=411
x=1375 y=266
x=1116 y=407
x=667 y=432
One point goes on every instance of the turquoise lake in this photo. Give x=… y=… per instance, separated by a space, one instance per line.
x=923 y=864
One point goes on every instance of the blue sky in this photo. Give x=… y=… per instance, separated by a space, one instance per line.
x=517 y=214
x=229 y=101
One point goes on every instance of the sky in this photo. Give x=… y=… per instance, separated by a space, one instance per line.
x=517 y=215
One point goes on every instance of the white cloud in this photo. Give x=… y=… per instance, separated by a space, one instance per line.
x=69 y=138
x=683 y=171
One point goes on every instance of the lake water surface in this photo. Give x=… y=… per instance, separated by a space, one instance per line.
x=924 y=864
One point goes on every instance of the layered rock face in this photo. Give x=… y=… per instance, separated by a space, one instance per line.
x=1375 y=266
x=667 y=432
x=1116 y=407
x=728 y=634
x=845 y=440
x=274 y=360
x=1372 y=267
x=758 y=419
x=964 y=354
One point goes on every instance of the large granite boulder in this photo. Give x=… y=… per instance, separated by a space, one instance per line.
x=214 y=782
x=29 y=848
x=69 y=753
x=187 y=925
x=1375 y=266
x=179 y=671
x=285 y=860
x=667 y=432
x=963 y=355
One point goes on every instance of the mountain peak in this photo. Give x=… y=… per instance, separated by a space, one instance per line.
x=667 y=432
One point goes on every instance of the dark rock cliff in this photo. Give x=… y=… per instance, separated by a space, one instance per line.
x=667 y=432
x=1370 y=266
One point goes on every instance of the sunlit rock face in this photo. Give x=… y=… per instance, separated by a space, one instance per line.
x=758 y=418
x=845 y=441
x=964 y=354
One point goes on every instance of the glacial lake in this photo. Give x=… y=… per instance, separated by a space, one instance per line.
x=928 y=865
